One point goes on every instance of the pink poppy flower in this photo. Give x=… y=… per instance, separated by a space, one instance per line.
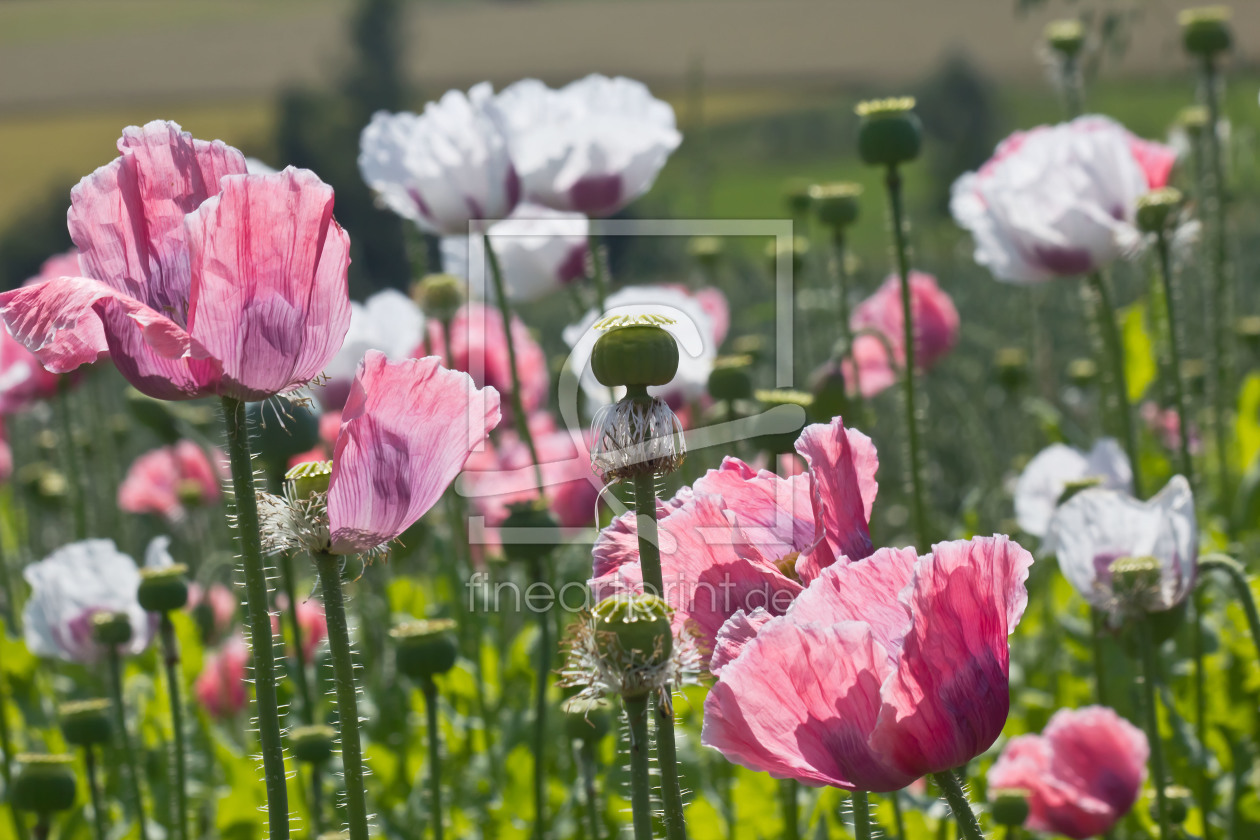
x=23 y=379
x=479 y=341
x=200 y=280
x=222 y=687
x=740 y=539
x=6 y=456
x=218 y=602
x=1059 y=200
x=936 y=325
x=311 y=620
x=166 y=481
x=1082 y=774
x=1165 y=425
x=881 y=671
x=406 y=431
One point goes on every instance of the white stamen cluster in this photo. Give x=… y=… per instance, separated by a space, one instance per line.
x=600 y=675
x=635 y=436
x=289 y=523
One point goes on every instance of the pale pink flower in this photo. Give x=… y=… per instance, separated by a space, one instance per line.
x=1059 y=200
x=218 y=602
x=479 y=347
x=222 y=687
x=6 y=456
x=1165 y=425
x=311 y=621
x=166 y=481
x=200 y=280
x=1082 y=774
x=23 y=379
x=881 y=671
x=880 y=317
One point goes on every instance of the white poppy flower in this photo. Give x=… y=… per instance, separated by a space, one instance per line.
x=445 y=167
x=593 y=146
x=388 y=321
x=1042 y=483
x=1096 y=527
x=71 y=585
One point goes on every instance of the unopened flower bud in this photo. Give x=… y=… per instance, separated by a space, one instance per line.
x=776 y=442
x=1011 y=367
x=634 y=630
x=425 y=648
x=706 y=250
x=312 y=744
x=111 y=628
x=439 y=296
x=86 y=723
x=889 y=132
x=796 y=197
x=731 y=378
x=586 y=719
x=1205 y=30
x=308 y=478
x=836 y=205
x=1178 y=799
x=1066 y=37
x=1082 y=372
x=1010 y=807
x=43 y=783
x=1158 y=208
x=540 y=531
x=163 y=590
x=635 y=354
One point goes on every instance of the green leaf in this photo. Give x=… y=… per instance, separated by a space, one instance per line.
x=1140 y=365
x=1248 y=423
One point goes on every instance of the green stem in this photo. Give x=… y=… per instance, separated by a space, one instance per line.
x=671 y=786
x=70 y=454
x=132 y=769
x=789 y=804
x=7 y=592
x=170 y=651
x=1070 y=78
x=597 y=271
x=649 y=539
x=540 y=710
x=861 y=815
x=518 y=407
x=588 y=766
x=1100 y=667
x=968 y=827
x=94 y=790
x=429 y=689
x=1113 y=347
x=317 y=799
x=1146 y=650
x=6 y=766
x=640 y=783
x=329 y=568
x=43 y=826
x=1206 y=804
x=1242 y=588
x=1174 y=355
x=295 y=631
x=1215 y=212
x=840 y=274
x=893 y=182
x=898 y=819
x=256 y=603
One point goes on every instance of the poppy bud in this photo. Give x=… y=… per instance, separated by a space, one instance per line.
x=633 y=631
x=312 y=744
x=163 y=590
x=1011 y=367
x=706 y=250
x=1066 y=37
x=889 y=132
x=439 y=296
x=86 y=723
x=426 y=648
x=1082 y=372
x=1010 y=807
x=731 y=378
x=636 y=354
x=587 y=720
x=796 y=197
x=111 y=628
x=1205 y=31
x=308 y=478
x=836 y=205
x=535 y=517
x=776 y=442
x=1178 y=799
x=1157 y=208
x=43 y=783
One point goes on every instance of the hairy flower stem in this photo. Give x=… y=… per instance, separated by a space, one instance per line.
x=70 y=454
x=861 y=815
x=179 y=771
x=840 y=275
x=640 y=782
x=1174 y=356
x=1206 y=804
x=518 y=406
x=429 y=689
x=99 y=831
x=1113 y=349
x=898 y=819
x=1070 y=77
x=316 y=805
x=789 y=804
x=1214 y=206
x=968 y=827
x=597 y=270
x=328 y=567
x=1238 y=577
x=264 y=661
x=1100 y=666
x=540 y=709
x=295 y=631
x=892 y=181
x=10 y=597
x=588 y=765
x=130 y=765
x=1147 y=653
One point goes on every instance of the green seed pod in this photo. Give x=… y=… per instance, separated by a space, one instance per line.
x=43 y=784
x=541 y=532
x=799 y=246
x=831 y=394
x=308 y=478
x=836 y=205
x=750 y=345
x=111 y=628
x=587 y=720
x=634 y=630
x=1158 y=208
x=796 y=197
x=889 y=132
x=313 y=744
x=163 y=590
x=776 y=442
x=1010 y=807
x=1194 y=374
x=86 y=723
x=731 y=378
x=1010 y=365
x=706 y=250
x=1194 y=119
x=1082 y=372
x=636 y=354
x=1179 y=799
x=426 y=648
x=439 y=296
x=1066 y=37
x=1205 y=31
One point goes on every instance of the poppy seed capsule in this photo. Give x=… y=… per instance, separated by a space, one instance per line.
x=86 y=723
x=1205 y=31
x=1010 y=807
x=308 y=478
x=639 y=354
x=426 y=648
x=1178 y=799
x=1157 y=208
x=1194 y=119
x=1082 y=372
x=706 y=250
x=1066 y=37
x=312 y=744
x=439 y=296
x=836 y=205
x=1011 y=364
x=542 y=531
x=634 y=630
x=889 y=132
x=43 y=784
x=776 y=442
x=587 y=720
x=731 y=378
x=163 y=590
x=111 y=628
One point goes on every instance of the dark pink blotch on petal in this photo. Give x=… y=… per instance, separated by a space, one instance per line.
x=407 y=429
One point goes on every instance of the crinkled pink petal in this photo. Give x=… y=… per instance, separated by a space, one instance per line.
x=740 y=629
x=867 y=590
x=869 y=372
x=23 y=378
x=269 y=296
x=775 y=515
x=800 y=702
x=842 y=463
x=948 y=700
x=406 y=431
x=150 y=485
x=618 y=543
